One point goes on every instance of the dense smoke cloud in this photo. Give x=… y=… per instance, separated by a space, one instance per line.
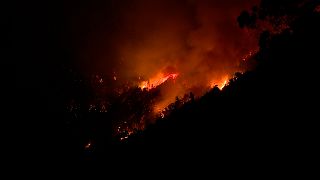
x=199 y=39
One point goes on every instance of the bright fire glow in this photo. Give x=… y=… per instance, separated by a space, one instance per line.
x=224 y=83
x=221 y=84
x=87 y=146
x=157 y=80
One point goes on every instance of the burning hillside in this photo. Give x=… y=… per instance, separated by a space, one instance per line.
x=151 y=54
x=98 y=77
x=157 y=53
x=157 y=81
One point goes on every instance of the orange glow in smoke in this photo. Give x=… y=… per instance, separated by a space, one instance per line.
x=157 y=80
x=221 y=84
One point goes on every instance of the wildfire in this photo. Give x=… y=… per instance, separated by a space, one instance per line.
x=249 y=55
x=126 y=135
x=224 y=83
x=87 y=146
x=221 y=84
x=157 y=80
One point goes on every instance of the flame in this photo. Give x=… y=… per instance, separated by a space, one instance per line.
x=221 y=84
x=157 y=80
x=224 y=83
x=87 y=146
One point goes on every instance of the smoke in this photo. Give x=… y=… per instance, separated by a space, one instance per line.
x=199 y=39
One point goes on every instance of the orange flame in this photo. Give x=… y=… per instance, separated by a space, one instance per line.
x=221 y=84
x=157 y=80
